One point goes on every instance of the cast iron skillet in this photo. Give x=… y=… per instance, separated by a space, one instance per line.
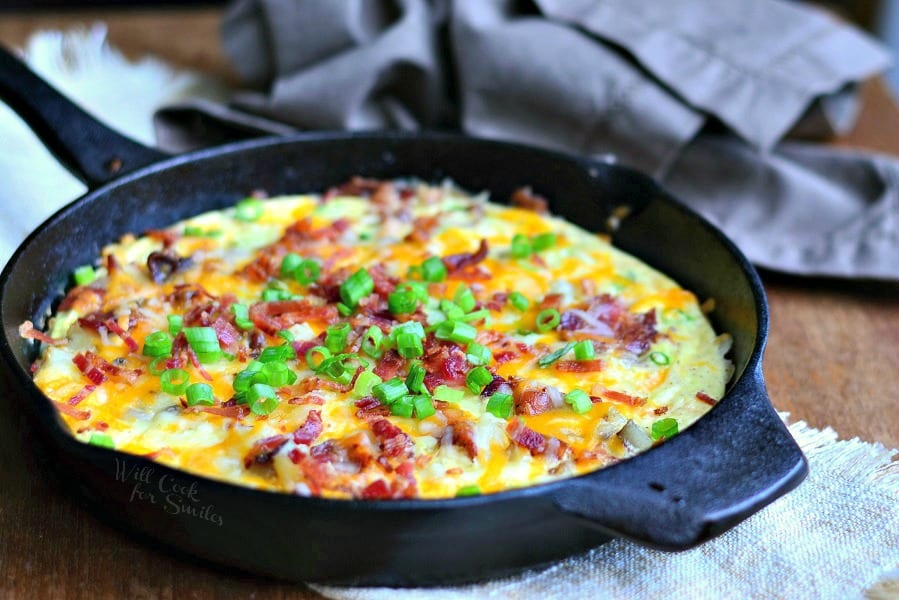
x=731 y=463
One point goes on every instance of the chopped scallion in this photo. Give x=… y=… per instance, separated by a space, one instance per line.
x=371 y=342
x=390 y=391
x=402 y=407
x=424 y=407
x=542 y=241
x=357 y=286
x=101 y=439
x=500 y=405
x=364 y=383
x=664 y=429
x=200 y=393
x=158 y=343
x=468 y=490
x=176 y=323
x=448 y=394
x=554 y=356
x=579 y=401
x=402 y=302
x=548 y=319
x=477 y=379
x=415 y=379
x=660 y=358
x=478 y=355
x=455 y=331
x=583 y=350
x=336 y=337
x=464 y=299
x=521 y=246
x=433 y=269
x=248 y=209
x=408 y=345
x=84 y=275
x=519 y=301
x=174 y=381
x=261 y=399
x=316 y=355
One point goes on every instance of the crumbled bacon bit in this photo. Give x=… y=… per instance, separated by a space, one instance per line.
x=262 y=450
x=703 y=397
x=393 y=441
x=162 y=264
x=551 y=301
x=527 y=199
x=27 y=331
x=113 y=326
x=445 y=363
x=389 y=365
x=87 y=298
x=526 y=437
x=459 y=262
x=369 y=408
x=422 y=228
x=310 y=429
x=463 y=435
x=660 y=410
x=81 y=395
x=376 y=490
x=622 y=397
x=272 y=317
x=78 y=415
x=532 y=401
x=579 y=366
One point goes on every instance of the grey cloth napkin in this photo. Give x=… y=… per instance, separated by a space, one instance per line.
x=700 y=95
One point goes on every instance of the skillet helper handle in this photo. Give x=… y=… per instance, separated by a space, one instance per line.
x=701 y=482
x=90 y=150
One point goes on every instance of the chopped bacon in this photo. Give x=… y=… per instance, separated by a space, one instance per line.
x=86 y=366
x=272 y=317
x=422 y=228
x=112 y=265
x=660 y=410
x=87 y=299
x=459 y=262
x=504 y=356
x=377 y=490
x=188 y=294
x=444 y=362
x=497 y=302
x=639 y=332
x=622 y=397
x=703 y=397
x=357 y=186
x=27 y=331
x=310 y=429
x=389 y=365
x=384 y=283
x=81 y=395
x=79 y=415
x=551 y=301
x=307 y=398
x=499 y=384
x=525 y=198
x=262 y=450
x=532 y=401
x=195 y=361
x=113 y=326
x=393 y=441
x=579 y=366
x=234 y=411
x=165 y=263
x=464 y=436
x=167 y=238
x=301 y=348
x=227 y=334
x=370 y=407
x=300 y=238
x=526 y=437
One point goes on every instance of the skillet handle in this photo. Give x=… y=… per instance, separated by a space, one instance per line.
x=90 y=150
x=731 y=463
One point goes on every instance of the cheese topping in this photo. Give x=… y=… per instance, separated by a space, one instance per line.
x=383 y=340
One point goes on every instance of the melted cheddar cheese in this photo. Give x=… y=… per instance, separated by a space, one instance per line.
x=595 y=324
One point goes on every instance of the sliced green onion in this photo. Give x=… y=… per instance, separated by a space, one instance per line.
x=548 y=319
x=158 y=343
x=371 y=342
x=584 y=350
x=193 y=231
x=248 y=209
x=200 y=393
x=476 y=315
x=448 y=394
x=276 y=295
x=357 y=286
x=579 y=401
x=543 y=241
x=500 y=405
x=289 y=264
x=84 y=275
x=455 y=331
x=451 y=310
x=174 y=381
x=408 y=345
x=411 y=327
x=464 y=299
x=281 y=353
x=554 y=356
x=316 y=355
x=390 y=391
x=307 y=272
x=660 y=358
x=433 y=269
x=262 y=399
x=176 y=323
x=418 y=288
x=415 y=379
x=364 y=383
x=664 y=429
x=478 y=354
x=203 y=340
x=400 y=303
x=402 y=407
x=343 y=310
x=424 y=407
x=477 y=379
x=154 y=365
x=468 y=490
x=285 y=335
x=278 y=374
x=519 y=301
x=521 y=246
x=336 y=337
x=101 y=439
x=246 y=378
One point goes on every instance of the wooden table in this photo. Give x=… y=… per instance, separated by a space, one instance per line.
x=832 y=360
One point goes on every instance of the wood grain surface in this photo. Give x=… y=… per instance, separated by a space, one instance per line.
x=832 y=360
